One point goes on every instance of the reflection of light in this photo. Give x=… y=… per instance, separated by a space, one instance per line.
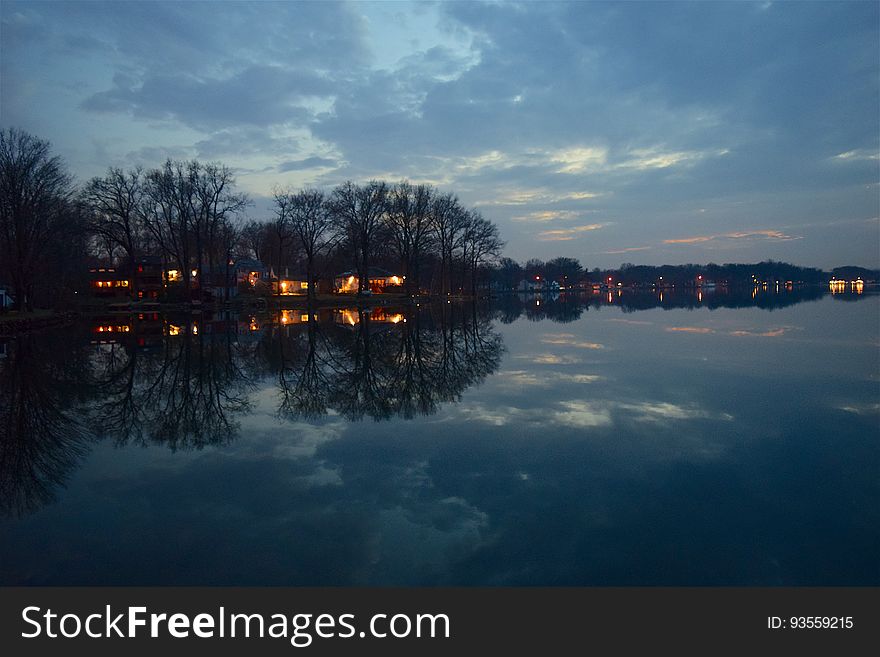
x=349 y=317
x=113 y=329
x=661 y=297
x=610 y=297
x=537 y=302
x=700 y=295
x=195 y=329
x=838 y=285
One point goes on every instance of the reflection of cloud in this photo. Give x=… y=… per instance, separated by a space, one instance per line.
x=566 y=234
x=659 y=411
x=858 y=154
x=769 y=333
x=771 y=235
x=582 y=414
x=550 y=359
x=523 y=379
x=635 y=322
x=861 y=409
x=569 y=340
x=689 y=329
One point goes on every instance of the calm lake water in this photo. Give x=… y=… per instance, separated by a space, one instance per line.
x=711 y=440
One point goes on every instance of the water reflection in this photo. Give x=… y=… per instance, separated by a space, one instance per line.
x=686 y=445
x=42 y=434
x=185 y=382
x=568 y=307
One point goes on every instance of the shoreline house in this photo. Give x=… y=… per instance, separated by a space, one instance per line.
x=538 y=285
x=139 y=280
x=250 y=271
x=287 y=285
x=379 y=281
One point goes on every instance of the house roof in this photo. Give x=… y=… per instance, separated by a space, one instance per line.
x=250 y=263
x=372 y=271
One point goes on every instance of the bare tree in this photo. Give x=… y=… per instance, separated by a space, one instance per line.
x=168 y=217
x=253 y=240
x=409 y=216
x=35 y=194
x=114 y=205
x=361 y=212
x=481 y=244
x=311 y=224
x=278 y=229
x=214 y=205
x=187 y=205
x=449 y=219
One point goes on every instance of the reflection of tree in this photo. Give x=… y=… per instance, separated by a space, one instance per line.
x=568 y=308
x=378 y=368
x=41 y=435
x=186 y=395
x=188 y=389
x=302 y=378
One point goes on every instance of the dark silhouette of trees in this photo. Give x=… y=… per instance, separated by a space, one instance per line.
x=410 y=219
x=450 y=220
x=42 y=433
x=114 y=210
x=308 y=218
x=481 y=245
x=360 y=211
x=36 y=211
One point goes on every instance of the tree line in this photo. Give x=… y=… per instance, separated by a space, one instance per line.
x=191 y=215
x=568 y=272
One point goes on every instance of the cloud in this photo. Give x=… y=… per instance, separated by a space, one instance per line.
x=548 y=215
x=521 y=196
x=565 y=234
x=628 y=250
x=689 y=329
x=772 y=235
x=307 y=163
x=259 y=95
x=524 y=110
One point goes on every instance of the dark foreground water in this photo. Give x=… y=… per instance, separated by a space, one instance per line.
x=715 y=439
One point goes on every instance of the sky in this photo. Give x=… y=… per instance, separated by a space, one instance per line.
x=610 y=132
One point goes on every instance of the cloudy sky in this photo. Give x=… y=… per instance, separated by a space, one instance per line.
x=625 y=132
